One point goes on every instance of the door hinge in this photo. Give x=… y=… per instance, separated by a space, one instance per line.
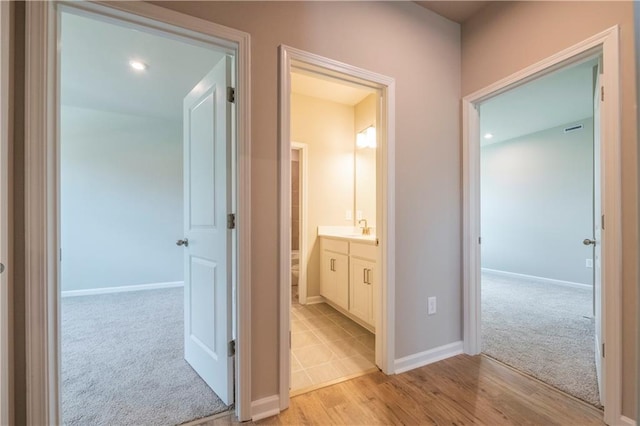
x=602 y=222
x=231 y=221
x=602 y=93
x=289 y=339
x=603 y=350
x=60 y=254
x=479 y=240
x=231 y=94
x=232 y=348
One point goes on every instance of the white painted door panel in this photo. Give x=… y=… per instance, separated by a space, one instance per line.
x=207 y=290
x=597 y=248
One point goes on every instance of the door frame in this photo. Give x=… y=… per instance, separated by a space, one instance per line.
x=385 y=199
x=605 y=43
x=6 y=314
x=42 y=190
x=304 y=185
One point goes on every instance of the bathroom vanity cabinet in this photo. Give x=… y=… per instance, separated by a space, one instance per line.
x=334 y=271
x=347 y=277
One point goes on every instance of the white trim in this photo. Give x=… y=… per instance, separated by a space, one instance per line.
x=535 y=278
x=6 y=367
x=265 y=407
x=121 y=289
x=41 y=239
x=428 y=357
x=314 y=300
x=385 y=193
x=626 y=421
x=606 y=43
x=304 y=217
x=41 y=267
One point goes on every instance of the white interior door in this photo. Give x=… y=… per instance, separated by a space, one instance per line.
x=597 y=230
x=207 y=243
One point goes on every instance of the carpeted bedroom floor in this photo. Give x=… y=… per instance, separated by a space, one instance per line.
x=545 y=330
x=122 y=362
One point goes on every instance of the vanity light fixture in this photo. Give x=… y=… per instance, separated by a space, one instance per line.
x=366 y=138
x=138 y=65
x=488 y=135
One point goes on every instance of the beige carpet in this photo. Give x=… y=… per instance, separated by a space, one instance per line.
x=122 y=362
x=544 y=330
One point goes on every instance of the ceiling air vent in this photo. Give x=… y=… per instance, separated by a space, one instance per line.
x=573 y=128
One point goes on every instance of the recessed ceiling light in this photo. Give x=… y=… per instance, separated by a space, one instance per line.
x=488 y=135
x=138 y=66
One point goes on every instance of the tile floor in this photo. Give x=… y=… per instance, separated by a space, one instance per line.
x=326 y=346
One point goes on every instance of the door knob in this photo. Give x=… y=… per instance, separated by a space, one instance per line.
x=588 y=242
x=184 y=242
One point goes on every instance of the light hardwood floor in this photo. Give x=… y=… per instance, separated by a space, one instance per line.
x=460 y=390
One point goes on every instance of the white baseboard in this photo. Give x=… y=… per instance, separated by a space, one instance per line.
x=535 y=278
x=626 y=421
x=105 y=290
x=427 y=357
x=312 y=300
x=265 y=407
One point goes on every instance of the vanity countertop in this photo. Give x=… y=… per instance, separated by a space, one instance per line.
x=347 y=233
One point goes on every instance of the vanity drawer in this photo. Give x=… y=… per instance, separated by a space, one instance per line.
x=365 y=251
x=337 y=246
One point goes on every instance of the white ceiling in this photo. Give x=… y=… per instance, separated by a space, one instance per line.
x=329 y=90
x=95 y=71
x=559 y=98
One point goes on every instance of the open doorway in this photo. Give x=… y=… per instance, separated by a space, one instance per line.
x=355 y=256
x=540 y=218
x=145 y=164
x=333 y=325
x=299 y=188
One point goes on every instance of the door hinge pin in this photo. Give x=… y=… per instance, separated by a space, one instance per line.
x=602 y=222
x=232 y=348
x=231 y=221
x=603 y=350
x=231 y=94
x=479 y=240
x=602 y=93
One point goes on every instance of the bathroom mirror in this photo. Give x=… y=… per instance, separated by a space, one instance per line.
x=365 y=184
x=365 y=161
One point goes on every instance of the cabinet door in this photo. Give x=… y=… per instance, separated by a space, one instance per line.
x=362 y=285
x=327 y=279
x=334 y=278
x=341 y=276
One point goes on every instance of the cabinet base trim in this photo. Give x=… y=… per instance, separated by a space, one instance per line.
x=427 y=357
x=349 y=315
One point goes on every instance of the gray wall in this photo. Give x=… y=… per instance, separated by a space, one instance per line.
x=422 y=52
x=539 y=30
x=537 y=204
x=121 y=199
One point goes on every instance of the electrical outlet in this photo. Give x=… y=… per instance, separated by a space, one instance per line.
x=348 y=215
x=359 y=215
x=431 y=305
x=589 y=263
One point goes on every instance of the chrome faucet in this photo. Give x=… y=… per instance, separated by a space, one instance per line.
x=365 y=229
